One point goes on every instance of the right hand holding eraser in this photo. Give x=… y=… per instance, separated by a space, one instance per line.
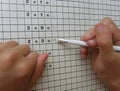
x=105 y=61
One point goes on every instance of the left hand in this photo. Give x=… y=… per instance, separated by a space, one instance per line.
x=19 y=68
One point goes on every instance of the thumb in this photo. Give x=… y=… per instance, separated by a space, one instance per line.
x=103 y=38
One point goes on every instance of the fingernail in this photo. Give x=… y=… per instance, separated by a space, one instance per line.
x=91 y=43
x=45 y=56
x=99 y=27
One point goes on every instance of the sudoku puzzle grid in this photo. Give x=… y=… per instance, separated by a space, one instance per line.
x=40 y=23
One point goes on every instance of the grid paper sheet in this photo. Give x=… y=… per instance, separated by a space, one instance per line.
x=40 y=22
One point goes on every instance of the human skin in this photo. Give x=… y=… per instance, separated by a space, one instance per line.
x=105 y=61
x=19 y=68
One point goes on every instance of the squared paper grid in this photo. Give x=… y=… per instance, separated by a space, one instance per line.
x=40 y=22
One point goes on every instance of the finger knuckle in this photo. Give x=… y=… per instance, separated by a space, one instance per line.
x=26 y=47
x=8 y=59
x=22 y=72
x=10 y=56
x=34 y=54
x=13 y=42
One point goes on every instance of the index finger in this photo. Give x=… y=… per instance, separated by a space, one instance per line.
x=9 y=44
x=113 y=28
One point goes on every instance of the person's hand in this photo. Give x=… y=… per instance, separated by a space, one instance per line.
x=105 y=61
x=19 y=68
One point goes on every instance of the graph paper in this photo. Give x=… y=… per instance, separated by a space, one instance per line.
x=40 y=22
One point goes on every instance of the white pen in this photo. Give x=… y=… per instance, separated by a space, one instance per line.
x=82 y=43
